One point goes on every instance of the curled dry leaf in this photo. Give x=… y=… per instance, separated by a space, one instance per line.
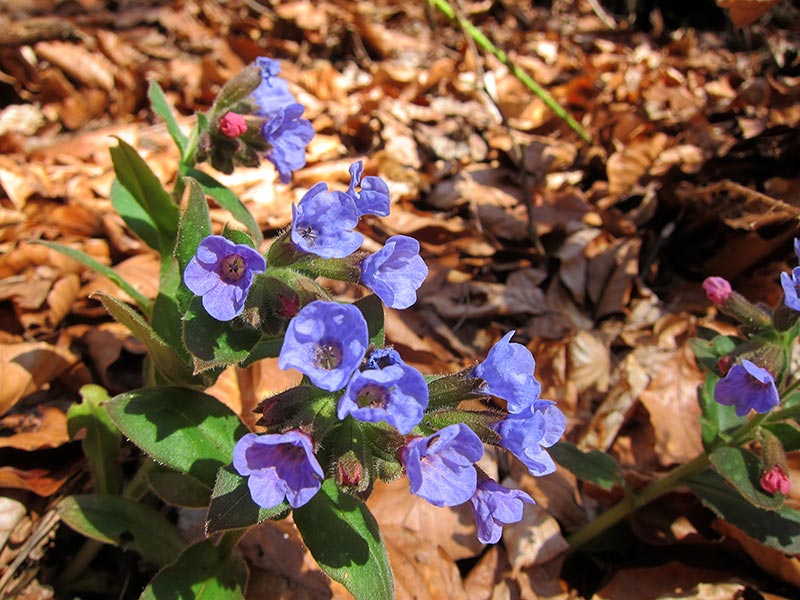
x=26 y=368
x=589 y=362
x=47 y=428
x=535 y=540
x=627 y=166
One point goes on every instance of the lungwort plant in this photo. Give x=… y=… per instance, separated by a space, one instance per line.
x=360 y=413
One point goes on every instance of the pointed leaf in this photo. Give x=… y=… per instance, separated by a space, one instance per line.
x=141 y=301
x=202 y=572
x=343 y=537
x=185 y=429
x=229 y=201
x=232 y=507
x=137 y=177
x=101 y=440
x=195 y=223
x=161 y=107
x=166 y=360
x=743 y=469
x=134 y=215
x=779 y=529
x=123 y=522
x=372 y=309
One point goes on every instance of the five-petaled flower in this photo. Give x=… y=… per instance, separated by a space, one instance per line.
x=278 y=467
x=394 y=392
x=222 y=273
x=507 y=373
x=272 y=94
x=495 y=505
x=395 y=272
x=288 y=135
x=526 y=435
x=323 y=223
x=747 y=386
x=326 y=341
x=441 y=467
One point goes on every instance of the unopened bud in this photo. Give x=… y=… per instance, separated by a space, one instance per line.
x=350 y=472
x=232 y=125
x=718 y=289
x=237 y=89
x=724 y=364
x=776 y=480
x=744 y=311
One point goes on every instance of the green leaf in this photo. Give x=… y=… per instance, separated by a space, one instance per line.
x=166 y=360
x=214 y=343
x=101 y=441
x=343 y=537
x=372 y=309
x=134 y=215
x=185 y=429
x=787 y=432
x=595 y=466
x=232 y=507
x=178 y=489
x=142 y=302
x=134 y=174
x=229 y=201
x=743 y=469
x=779 y=529
x=202 y=572
x=162 y=108
x=195 y=224
x=708 y=352
x=123 y=522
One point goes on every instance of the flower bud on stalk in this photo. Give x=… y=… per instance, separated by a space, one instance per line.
x=775 y=477
x=719 y=291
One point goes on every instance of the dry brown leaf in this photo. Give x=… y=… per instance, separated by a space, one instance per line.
x=535 y=540
x=745 y=12
x=488 y=579
x=782 y=566
x=627 y=166
x=611 y=276
x=588 y=362
x=26 y=368
x=672 y=580
x=45 y=429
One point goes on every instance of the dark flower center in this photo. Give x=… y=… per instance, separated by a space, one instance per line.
x=372 y=395
x=328 y=356
x=232 y=268
x=309 y=234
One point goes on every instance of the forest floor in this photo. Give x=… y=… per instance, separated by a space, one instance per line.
x=593 y=251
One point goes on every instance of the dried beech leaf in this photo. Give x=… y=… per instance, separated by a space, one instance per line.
x=26 y=368
x=46 y=429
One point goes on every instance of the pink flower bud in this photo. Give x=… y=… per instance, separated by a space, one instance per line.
x=717 y=289
x=232 y=125
x=775 y=480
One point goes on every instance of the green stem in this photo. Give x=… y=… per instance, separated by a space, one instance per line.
x=634 y=501
x=488 y=46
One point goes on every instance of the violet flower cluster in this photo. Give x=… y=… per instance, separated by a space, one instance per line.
x=361 y=412
x=791 y=283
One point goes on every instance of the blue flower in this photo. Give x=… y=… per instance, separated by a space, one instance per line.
x=441 y=467
x=791 y=289
x=222 y=273
x=395 y=272
x=395 y=393
x=278 y=466
x=747 y=386
x=507 y=373
x=526 y=435
x=273 y=93
x=374 y=196
x=323 y=223
x=326 y=341
x=288 y=134
x=495 y=505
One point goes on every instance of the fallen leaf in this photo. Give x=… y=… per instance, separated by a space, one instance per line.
x=45 y=429
x=26 y=368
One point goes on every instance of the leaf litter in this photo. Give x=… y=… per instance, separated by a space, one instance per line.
x=692 y=171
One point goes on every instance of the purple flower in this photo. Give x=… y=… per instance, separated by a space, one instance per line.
x=507 y=373
x=288 y=134
x=441 y=467
x=526 y=435
x=494 y=505
x=222 y=272
x=374 y=196
x=395 y=272
x=273 y=93
x=395 y=393
x=747 y=386
x=326 y=341
x=323 y=223
x=791 y=289
x=278 y=467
